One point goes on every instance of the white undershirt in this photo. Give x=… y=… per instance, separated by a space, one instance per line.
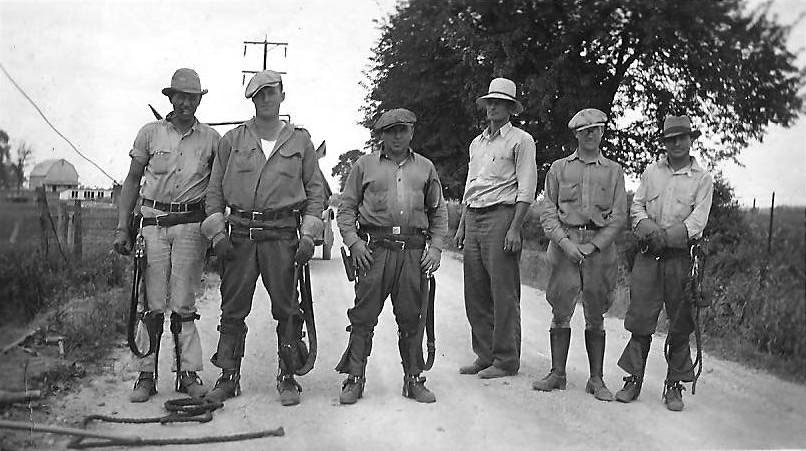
x=268 y=146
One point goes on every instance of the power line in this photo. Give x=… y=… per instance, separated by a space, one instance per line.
x=3 y=68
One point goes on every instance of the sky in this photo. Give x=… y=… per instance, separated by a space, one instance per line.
x=94 y=66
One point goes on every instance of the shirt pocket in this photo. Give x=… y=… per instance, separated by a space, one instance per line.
x=377 y=199
x=290 y=162
x=502 y=165
x=568 y=192
x=243 y=160
x=161 y=162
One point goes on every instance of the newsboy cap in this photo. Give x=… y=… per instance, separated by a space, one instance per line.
x=395 y=117
x=261 y=80
x=678 y=125
x=184 y=80
x=587 y=118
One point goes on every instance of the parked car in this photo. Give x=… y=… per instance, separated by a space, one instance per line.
x=325 y=239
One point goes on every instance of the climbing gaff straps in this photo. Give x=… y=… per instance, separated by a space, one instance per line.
x=306 y=306
x=428 y=287
x=152 y=321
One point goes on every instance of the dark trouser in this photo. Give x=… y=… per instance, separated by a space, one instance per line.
x=655 y=283
x=595 y=278
x=492 y=288
x=395 y=273
x=273 y=261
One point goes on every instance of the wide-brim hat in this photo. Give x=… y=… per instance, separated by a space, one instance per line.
x=262 y=79
x=502 y=88
x=185 y=80
x=678 y=125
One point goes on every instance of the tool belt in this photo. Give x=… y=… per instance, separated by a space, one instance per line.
x=263 y=233
x=397 y=238
x=172 y=219
x=588 y=226
x=263 y=215
x=174 y=207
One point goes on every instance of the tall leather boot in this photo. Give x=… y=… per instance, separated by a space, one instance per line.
x=353 y=363
x=595 y=345
x=560 y=340
x=633 y=360
x=230 y=351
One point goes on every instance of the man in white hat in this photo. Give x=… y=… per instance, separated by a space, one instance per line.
x=500 y=187
x=173 y=159
x=584 y=209
x=266 y=173
x=669 y=211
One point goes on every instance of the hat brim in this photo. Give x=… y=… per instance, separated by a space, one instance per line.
x=410 y=124
x=249 y=95
x=169 y=91
x=585 y=127
x=693 y=133
x=518 y=106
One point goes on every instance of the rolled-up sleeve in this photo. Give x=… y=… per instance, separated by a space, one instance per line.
x=696 y=221
x=142 y=142
x=351 y=198
x=437 y=210
x=526 y=170
x=549 y=217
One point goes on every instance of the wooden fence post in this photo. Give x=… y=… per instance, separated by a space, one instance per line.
x=78 y=235
x=42 y=203
x=61 y=222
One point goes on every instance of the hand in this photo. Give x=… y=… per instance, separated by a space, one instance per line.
x=512 y=241
x=657 y=242
x=304 y=250
x=587 y=248
x=122 y=243
x=362 y=256
x=645 y=228
x=429 y=262
x=459 y=237
x=223 y=248
x=571 y=249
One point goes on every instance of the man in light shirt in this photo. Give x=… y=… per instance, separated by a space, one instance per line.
x=669 y=210
x=500 y=187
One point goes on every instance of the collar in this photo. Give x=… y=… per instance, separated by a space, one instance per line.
x=382 y=154
x=170 y=116
x=501 y=131
x=688 y=170
x=600 y=159
x=285 y=131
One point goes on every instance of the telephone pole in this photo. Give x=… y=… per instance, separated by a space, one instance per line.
x=267 y=45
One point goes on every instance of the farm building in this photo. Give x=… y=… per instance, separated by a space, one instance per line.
x=55 y=175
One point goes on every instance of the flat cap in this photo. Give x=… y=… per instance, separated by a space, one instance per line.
x=395 y=117
x=261 y=80
x=587 y=118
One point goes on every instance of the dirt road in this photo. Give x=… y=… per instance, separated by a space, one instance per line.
x=734 y=407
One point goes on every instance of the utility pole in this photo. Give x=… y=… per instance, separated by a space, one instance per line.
x=267 y=45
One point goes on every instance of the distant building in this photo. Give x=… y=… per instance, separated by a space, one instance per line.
x=54 y=175
x=87 y=194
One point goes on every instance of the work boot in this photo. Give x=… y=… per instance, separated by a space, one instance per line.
x=673 y=396
x=191 y=383
x=289 y=389
x=352 y=390
x=492 y=372
x=473 y=368
x=227 y=386
x=560 y=339
x=595 y=345
x=144 y=388
x=414 y=388
x=631 y=389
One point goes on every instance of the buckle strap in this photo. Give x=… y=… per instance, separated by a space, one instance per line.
x=168 y=220
x=264 y=233
x=390 y=230
x=263 y=215
x=174 y=207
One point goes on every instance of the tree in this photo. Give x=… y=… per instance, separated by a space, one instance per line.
x=17 y=169
x=5 y=158
x=345 y=164
x=726 y=66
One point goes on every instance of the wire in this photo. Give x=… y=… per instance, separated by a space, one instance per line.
x=3 y=68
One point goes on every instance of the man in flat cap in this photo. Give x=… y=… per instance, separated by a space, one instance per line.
x=669 y=212
x=265 y=174
x=500 y=187
x=173 y=158
x=584 y=209
x=395 y=197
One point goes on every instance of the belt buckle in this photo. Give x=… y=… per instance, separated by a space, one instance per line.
x=259 y=215
x=396 y=230
x=252 y=229
x=178 y=207
x=157 y=218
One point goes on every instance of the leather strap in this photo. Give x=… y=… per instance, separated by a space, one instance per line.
x=173 y=219
x=174 y=207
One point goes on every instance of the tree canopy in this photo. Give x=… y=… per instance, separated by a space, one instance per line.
x=725 y=65
x=342 y=168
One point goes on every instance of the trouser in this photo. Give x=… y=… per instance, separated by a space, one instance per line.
x=492 y=288
x=655 y=283
x=595 y=278
x=393 y=273
x=174 y=263
x=273 y=261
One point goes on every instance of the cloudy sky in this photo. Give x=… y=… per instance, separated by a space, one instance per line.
x=93 y=66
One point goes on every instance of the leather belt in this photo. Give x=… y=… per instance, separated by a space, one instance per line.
x=264 y=233
x=393 y=230
x=168 y=220
x=265 y=215
x=488 y=208
x=588 y=226
x=174 y=207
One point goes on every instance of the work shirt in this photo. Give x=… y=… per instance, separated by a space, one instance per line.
x=502 y=168
x=248 y=177
x=669 y=197
x=381 y=192
x=584 y=193
x=177 y=165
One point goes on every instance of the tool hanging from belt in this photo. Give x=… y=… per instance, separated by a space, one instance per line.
x=428 y=290
x=306 y=306
x=152 y=321
x=693 y=294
